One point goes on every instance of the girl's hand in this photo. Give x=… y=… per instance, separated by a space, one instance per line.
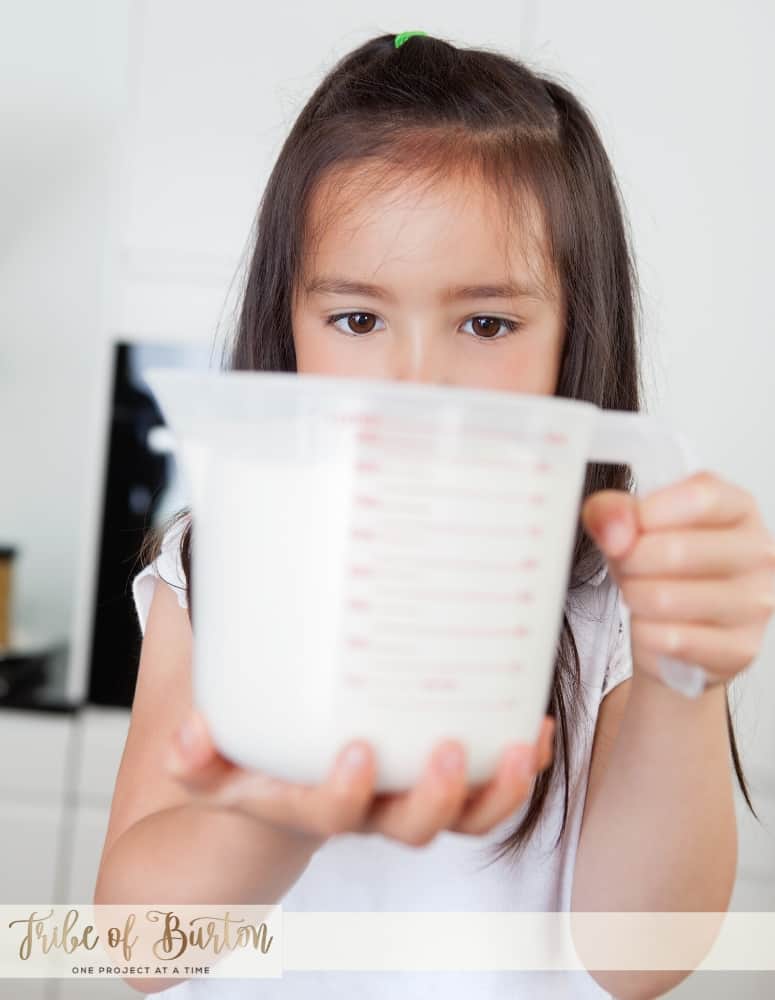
x=346 y=801
x=696 y=567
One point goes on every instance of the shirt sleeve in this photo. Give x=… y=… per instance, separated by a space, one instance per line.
x=168 y=567
x=619 y=667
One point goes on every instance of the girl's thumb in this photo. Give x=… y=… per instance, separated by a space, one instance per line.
x=191 y=745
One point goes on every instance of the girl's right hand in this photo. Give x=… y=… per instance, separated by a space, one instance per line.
x=346 y=800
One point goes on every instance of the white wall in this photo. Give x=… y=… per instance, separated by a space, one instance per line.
x=62 y=96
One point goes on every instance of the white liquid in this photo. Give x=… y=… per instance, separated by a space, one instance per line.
x=384 y=598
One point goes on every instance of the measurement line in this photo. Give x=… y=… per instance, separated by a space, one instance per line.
x=521 y=597
x=369 y=439
x=397 y=531
x=369 y=467
x=402 y=666
x=448 y=630
x=390 y=425
x=463 y=699
x=371 y=500
x=367 y=570
x=358 y=679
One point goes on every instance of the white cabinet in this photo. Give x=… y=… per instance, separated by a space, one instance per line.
x=101 y=737
x=102 y=734
x=89 y=824
x=35 y=751
x=27 y=989
x=33 y=754
x=57 y=774
x=95 y=989
x=31 y=840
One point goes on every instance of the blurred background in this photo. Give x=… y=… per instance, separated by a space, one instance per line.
x=136 y=140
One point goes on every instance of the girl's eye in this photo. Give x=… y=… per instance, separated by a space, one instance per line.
x=488 y=327
x=361 y=323
x=357 y=327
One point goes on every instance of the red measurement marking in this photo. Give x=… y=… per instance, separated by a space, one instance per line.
x=440 y=684
x=543 y=467
x=428 y=491
x=363 y=533
x=486 y=495
x=474 y=667
x=428 y=430
x=535 y=529
x=439 y=594
x=405 y=444
x=420 y=450
x=357 y=642
x=537 y=499
x=367 y=466
x=367 y=501
x=356 y=680
x=357 y=418
x=457 y=527
x=520 y=630
x=510 y=567
x=423 y=704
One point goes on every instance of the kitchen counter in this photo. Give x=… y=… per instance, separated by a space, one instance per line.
x=49 y=694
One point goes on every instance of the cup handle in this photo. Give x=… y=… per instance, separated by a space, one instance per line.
x=658 y=456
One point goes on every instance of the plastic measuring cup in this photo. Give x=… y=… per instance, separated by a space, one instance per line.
x=384 y=560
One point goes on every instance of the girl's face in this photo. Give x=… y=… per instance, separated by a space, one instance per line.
x=411 y=285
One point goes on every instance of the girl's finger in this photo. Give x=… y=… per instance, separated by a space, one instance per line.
x=722 y=651
x=334 y=806
x=510 y=786
x=415 y=817
x=504 y=793
x=701 y=602
x=546 y=743
x=193 y=759
x=698 y=553
x=703 y=498
x=344 y=800
x=197 y=765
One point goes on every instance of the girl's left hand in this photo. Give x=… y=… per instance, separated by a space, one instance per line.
x=696 y=567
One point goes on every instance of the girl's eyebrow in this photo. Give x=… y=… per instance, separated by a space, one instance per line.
x=334 y=285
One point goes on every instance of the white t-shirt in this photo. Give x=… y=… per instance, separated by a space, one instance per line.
x=374 y=873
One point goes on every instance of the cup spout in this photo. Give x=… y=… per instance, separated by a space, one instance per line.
x=182 y=411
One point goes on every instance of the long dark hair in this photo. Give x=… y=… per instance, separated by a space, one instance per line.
x=428 y=108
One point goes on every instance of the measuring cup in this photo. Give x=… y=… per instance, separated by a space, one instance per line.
x=386 y=561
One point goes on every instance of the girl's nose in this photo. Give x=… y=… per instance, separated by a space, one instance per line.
x=416 y=358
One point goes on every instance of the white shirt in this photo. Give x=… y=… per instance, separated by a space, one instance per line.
x=374 y=873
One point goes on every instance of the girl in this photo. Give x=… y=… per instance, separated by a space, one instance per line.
x=446 y=215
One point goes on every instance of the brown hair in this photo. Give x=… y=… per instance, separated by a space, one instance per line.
x=430 y=107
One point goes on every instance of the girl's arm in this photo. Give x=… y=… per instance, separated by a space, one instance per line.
x=161 y=846
x=658 y=832
x=694 y=562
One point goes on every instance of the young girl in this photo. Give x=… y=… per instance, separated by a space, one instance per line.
x=445 y=215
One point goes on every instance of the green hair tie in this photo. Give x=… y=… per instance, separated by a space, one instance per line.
x=400 y=39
